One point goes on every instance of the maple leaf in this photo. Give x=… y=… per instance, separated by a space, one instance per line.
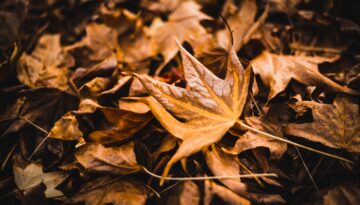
x=183 y=24
x=33 y=175
x=335 y=126
x=207 y=109
x=47 y=66
x=276 y=71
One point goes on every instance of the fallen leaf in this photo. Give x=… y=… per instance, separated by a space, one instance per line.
x=276 y=71
x=116 y=160
x=335 y=126
x=212 y=188
x=240 y=23
x=42 y=106
x=106 y=190
x=32 y=175
x=187 y=193
x=47 y=66
x=251 y=140
x=183 y=24
x=67 y=128
x=207 y=109
x=121 y=123
x=222 y=164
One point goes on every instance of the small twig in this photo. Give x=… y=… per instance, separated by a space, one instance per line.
x=42 y=130
x=293 y=143
x=307 y=169
x=8 y=156
x=210 y=177
x=33 y=124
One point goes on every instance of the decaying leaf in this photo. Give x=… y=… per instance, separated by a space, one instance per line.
x=183 y=25
x=251 y=140
x=276 y=71
x=47 y=66
x=32 y=175
x=106 y=190
x=207 y=109
x=335 y=126
x=222 y=164
x=117 y=160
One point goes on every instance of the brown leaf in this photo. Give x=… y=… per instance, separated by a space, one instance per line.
x=47 y=66
x=117 y=160
x=222 y=164
x=335 y=126
x=67 y=128
x=211 y=189
x=207 y=109
x=32 y=175
x=251 y=140
x=121 y=123
x=186 y=193
x=183 y=25
x=242 y=25
x=106 y=190
x=276 y=71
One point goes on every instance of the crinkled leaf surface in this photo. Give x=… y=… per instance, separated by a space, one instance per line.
x=202 y=114
x=276 y=71
x=335 y=126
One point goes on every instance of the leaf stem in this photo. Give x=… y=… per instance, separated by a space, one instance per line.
x=210 y=177
x=293 y=143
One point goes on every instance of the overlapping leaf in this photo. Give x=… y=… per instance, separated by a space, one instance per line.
x=335 y=126
x=276 y=71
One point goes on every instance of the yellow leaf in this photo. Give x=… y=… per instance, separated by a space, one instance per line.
x=202 y=114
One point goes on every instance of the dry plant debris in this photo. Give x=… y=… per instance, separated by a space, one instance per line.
x=179 y=102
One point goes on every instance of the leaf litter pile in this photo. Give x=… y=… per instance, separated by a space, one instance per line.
x=179 y=102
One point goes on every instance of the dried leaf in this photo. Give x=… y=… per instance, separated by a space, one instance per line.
x=183 y=25
x=106 y=191
x=251 y=140
x=222 y=164
x=67 y=128
x=276 y=71
x=47 y=66
x=240 y=24
x=335 y=126
x=122 y=122
x=207 y=109
x=225 y=194
x=32 y=175
x=187 y=193
x=117 y=160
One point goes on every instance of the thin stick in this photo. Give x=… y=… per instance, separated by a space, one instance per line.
x=207 y=178
x=307 y=169
x=33 y=124
x=293 y=143
x=8 y=156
